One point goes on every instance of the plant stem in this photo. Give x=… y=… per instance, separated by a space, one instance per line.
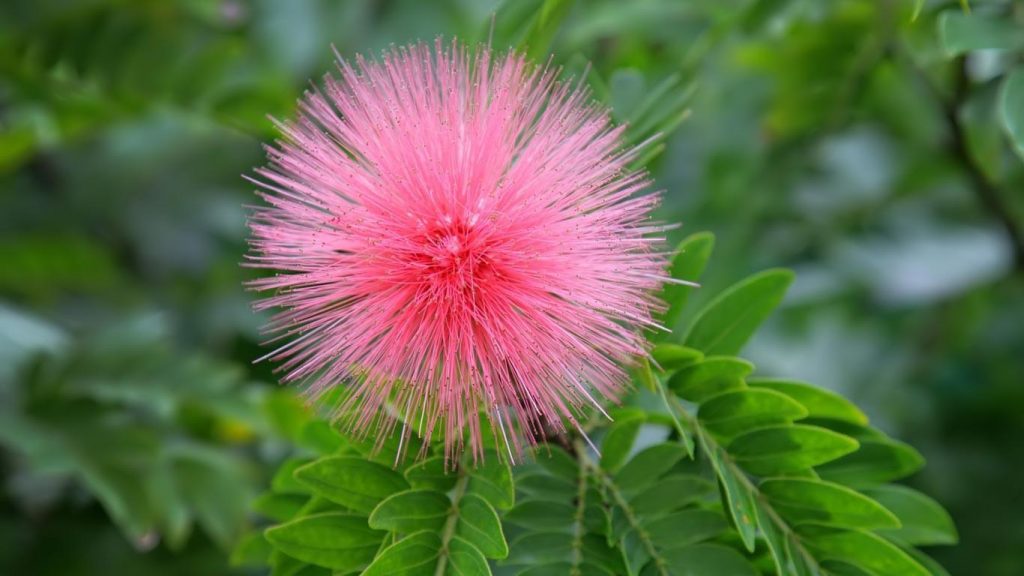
x=710 y=444
x=451 y=523
x=984 y=188
x=623 y=504
x=578 y=527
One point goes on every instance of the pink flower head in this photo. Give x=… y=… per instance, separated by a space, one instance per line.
x=456 y=234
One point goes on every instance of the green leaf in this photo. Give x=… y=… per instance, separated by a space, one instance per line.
x=710 y=377
x=541 y=547
x=673 y=356
x=924 y=522
x=837 y=568
x=781 y=449
x=465 y=559
x=933 y=567
x=643 y=375
x=707 y=559
x=670 y=493
x=960 y=33
x=546 y=22
x=541 y=515
x=788 y=556
x=619 y=441
x=430 y=473
x=284 y=481
x=737 y=495
x=800 y=501
x=741 y=410
x=335 y=540
x=728 y=321
x=820 y=403
x=478 y=525
x=688 y=264
x=284 y=565
x=252 y=550
x=279 y=507
x=351 y=481
x=686 y=528
x=1011 y=106
x=554 y=569
x=415 y=555
x=557 y=461
x=321 y=437
x=648 y=465
x=875 y=462
x=411 y=511
x=492 y=481
x=863 y=550
x=541 y=486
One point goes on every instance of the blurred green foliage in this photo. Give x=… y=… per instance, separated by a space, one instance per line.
x=872 y=146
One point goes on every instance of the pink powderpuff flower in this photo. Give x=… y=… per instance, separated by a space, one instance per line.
x=456 y=234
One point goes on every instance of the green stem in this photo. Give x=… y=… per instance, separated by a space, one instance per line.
x=578 y=520
x=684 y=435
x=623 y=504
x=710 y=445
x=451 y=523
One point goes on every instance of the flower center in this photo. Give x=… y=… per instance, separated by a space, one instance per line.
x=456 y=259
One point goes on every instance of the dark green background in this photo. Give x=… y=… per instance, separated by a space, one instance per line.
x=836 y=138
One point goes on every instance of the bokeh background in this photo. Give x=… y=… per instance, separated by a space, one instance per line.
x=862 y=143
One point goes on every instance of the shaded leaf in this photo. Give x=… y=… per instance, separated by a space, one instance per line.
x=685 y=528
x=541 y=547
x=541 y=515
x=875 y=462
x=430 y=473
x=1011 y=107
x=648 y=465
x=863 y=550
x=279 y=507
x=705 y=559
x=924 y=522
x=671 y=493
x=959 y=33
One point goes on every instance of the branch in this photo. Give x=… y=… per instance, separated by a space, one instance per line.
x=451 y=524
x=709 y=445
x=609 y=484
x=984 y=188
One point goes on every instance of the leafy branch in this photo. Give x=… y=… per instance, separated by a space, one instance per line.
x=578 y=527
x=711 y=446
x=588 y=463
x=450 y=524
x=984 y=187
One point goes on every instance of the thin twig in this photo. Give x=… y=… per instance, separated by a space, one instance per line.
x=984 y=188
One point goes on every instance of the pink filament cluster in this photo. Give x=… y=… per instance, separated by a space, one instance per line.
x=458 y=241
